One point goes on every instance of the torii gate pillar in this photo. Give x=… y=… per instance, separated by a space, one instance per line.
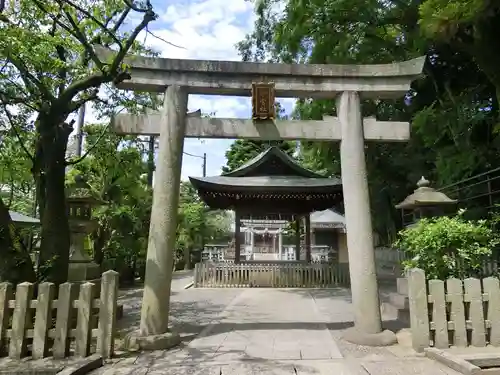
x=180 y=77
x=367 y=328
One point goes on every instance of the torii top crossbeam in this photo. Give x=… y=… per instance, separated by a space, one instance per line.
x=211 y=77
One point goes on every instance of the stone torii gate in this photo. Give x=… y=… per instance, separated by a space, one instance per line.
x=348 y=83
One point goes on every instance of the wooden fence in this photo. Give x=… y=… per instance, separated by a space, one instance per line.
x=453 y=312
x=271 y=275
x=74 y=322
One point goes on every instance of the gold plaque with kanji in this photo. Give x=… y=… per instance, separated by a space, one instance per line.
x=263 y=101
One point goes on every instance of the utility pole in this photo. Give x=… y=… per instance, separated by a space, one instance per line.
x=204 y=164
x=187 y=256
x=79 y=130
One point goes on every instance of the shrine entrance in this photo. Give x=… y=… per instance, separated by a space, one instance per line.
x=263 y=81
x=271 y=186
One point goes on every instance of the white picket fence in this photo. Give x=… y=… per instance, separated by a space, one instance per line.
x=453 y=312
x=271 y=275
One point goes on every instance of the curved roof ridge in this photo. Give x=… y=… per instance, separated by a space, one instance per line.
x=264 y=156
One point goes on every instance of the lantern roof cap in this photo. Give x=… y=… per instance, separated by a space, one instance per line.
x=80 y=191
x=425 y=195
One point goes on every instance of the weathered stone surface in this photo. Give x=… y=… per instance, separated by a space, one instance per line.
x=364 y=286
x=419 y=366
x=50 y=366
x=327 y=129
x=453 y=362
x=290 y=80
x=134 y=341
x=402 y=285
x=160 y=254
x=244 y=331
x=83 y=366
x=384 y=338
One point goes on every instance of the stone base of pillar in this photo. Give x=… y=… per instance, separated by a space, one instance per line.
x=384 y=338
x=135 y=342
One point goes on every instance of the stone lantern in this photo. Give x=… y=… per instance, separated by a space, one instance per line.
x=80 y=203
x=426 y=202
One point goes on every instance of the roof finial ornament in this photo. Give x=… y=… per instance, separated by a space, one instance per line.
x=423 y=182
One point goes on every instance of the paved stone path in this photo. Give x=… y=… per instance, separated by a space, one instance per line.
x=265 y=331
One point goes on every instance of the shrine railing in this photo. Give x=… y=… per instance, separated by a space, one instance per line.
x=271 y=275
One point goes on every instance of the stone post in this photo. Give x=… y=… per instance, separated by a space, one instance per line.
x=155 y=311
x=364 y=289
x=280 y=245
x=307 y=228
x=297 y=238
x=237 y=238
x=252 y=240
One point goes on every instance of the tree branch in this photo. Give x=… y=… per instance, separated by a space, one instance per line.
x=29 y=79
x=120 y=20
x=78 y=103
x=18 y=136
x=73 y=162
x=149 y=16
x=113 y=74
x=148 y=8
x=83 y=40
x=87 y=15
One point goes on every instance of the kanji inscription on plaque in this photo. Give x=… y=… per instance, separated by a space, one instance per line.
x=263 y=101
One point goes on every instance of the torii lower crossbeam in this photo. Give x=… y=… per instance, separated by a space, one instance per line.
x=328 y=129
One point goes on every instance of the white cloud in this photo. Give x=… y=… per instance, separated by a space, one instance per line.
x=208 y=30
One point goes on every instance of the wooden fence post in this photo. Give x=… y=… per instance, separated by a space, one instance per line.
x=457 y=314
x=492 y=288
x=438 y=299
x=473 y=295
x=419 y=312
x=84 y=320
x=67 y=294
x=21 y=318
x=6 y=294
x=107 y=313
x=43 y=320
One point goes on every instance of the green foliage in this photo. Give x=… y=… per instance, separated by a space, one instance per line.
x=242 y=151
x=196 y=224
x=115 y=170
x=453 y=108
x=439 y=16
x=16 y=181
x=447 y=246
x=50 y=68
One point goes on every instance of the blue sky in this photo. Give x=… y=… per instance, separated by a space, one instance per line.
x=206 y=29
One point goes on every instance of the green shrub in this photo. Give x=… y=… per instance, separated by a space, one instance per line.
x=447 y=246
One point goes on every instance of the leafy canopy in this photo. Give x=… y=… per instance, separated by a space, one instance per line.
x=447 y=246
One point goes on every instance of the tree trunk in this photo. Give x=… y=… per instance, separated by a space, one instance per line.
x=15 y=263
x=101 y=236
x=55 y=231
x=187 y=258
